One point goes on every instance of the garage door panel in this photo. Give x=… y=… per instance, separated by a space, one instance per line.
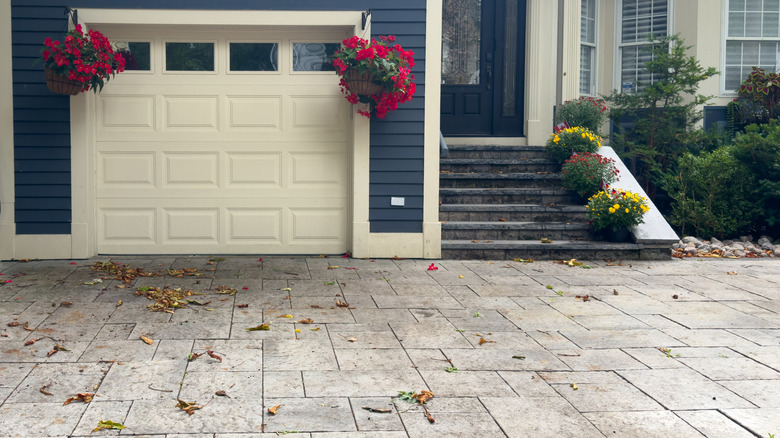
x=129 y=226
x=254 y=226
x=315 y=169
x=191 y=170
x=191 y=112
x=190 y=226
x=132 y=170
x=323 y=113
x=256 y=113
x=125 y=112
x=312 y=225
x=254 y=170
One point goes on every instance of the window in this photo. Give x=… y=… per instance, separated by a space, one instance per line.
x=314 y=56
x=639 y=19
x=254 y=57
x=137 y=54
x=752 y=39
x=189 y=56
x=588 y=48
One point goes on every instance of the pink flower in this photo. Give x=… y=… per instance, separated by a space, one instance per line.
x=433 y=267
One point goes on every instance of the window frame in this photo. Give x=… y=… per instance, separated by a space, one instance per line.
x=594 y=56
x=617 y=72
x=164 y=56
x=724 y=41
x=279 y=57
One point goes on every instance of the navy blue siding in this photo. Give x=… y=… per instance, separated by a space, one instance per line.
x=42 y=119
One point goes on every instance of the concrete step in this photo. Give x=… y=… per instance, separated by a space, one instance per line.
x=558 y=250
x=542 y=196
x=511 y=213
x=482 y=165
x=496 y=152
x=501 y=180
x=516 y=231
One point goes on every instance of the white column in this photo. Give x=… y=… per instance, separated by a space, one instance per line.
x=7 y=196
x=540 y=68
x=570 y=47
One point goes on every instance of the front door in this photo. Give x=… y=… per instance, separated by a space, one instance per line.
x=483 y=53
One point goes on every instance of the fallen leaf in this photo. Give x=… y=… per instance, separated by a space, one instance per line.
x=13 y=324
x=341 y=303
x=147 y=340
x=316 y=329
x=429 y=417
x=43 y=389
x=524 y=260
x=27 y=327
x=483 y=341
x=285 y=316
x=259 y=327
x=345 y=256
x=286 y=288
x=85 y=397
x=615 y=292
x=352 y=339
x=226 y=290
x=423 y=396
x=119 y=303
x=583 y=297
x=461 y=276
x=306 y=321
x=332 y=267
x=377 y=410
x=193 y=356
x=546 y=240
x=574 y=386
x=93 y=282
x=108 y=425
x=732 y=273
x=243 y=306
x=55 y=349
x=272 y=410
x=675 y=296
x=188 y=407
x=244 y=288
x=518 y=357
x=222 y=394
x=214 y=355
x=32 y=341
x=501 y=219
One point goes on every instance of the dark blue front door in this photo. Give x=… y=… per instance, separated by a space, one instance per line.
x=483 y=51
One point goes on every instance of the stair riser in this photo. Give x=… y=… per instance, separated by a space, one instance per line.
x=515 y=234
x=541 y=254
x=498 y=155
x=480 y=183
x=510 y=199
x=500 y=168
x=511 y=216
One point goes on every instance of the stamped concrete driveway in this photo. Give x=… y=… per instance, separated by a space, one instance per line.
x=683 y=348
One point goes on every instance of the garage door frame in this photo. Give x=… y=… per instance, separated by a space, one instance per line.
x=83 y=124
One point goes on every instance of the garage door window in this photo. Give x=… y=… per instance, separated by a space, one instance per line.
x=314 y=56
x=137 y=55
x=189 y=56
x=254 y=57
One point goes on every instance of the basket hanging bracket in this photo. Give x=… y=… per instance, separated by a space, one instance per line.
x=366 y=15
x=73 y=15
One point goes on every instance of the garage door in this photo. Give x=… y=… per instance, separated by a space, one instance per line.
x=222 y=141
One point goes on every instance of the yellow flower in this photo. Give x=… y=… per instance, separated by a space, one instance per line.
x=626 y=210
x=611 y=210
x=616 y=206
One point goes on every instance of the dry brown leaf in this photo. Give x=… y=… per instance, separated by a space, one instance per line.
x=26 y=327
x=272 y=410
x=188 y=407
x=85 y=397
x=119 y=303
x=13 y=324
x=147 y=340
x=331 y=267
x=341 y=303
x=732 y=273
x=214 y=355
x=43 y=389
x=423 y=396
x=429 y=417
x=194 y=356
x=32 y=341
x=484 y=341
x=352 y=339
x=56 y=348
x=377 y=410
x=306 y=321
x=222 y=394
x=243 y=306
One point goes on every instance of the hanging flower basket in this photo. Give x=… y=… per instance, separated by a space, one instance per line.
x=60 y=84
x=362 y=83
x=81 y=61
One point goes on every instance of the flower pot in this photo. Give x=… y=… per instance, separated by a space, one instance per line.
x=362 y=83
x=61 y=84
x=618 y=236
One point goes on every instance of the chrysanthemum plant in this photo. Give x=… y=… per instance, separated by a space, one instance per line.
x=89 y=59
x=616 y=209
x=562 y=144
x=388 y=66
x=587 y=173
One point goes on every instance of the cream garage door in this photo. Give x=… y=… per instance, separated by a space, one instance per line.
x=222 y=143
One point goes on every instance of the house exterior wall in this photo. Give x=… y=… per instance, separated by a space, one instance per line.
x=37 y=197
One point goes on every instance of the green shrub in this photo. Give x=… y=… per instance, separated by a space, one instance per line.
x=577 y=139
x=587 y=173
x=759 y=150
x=587 y=112
x=713 y=194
